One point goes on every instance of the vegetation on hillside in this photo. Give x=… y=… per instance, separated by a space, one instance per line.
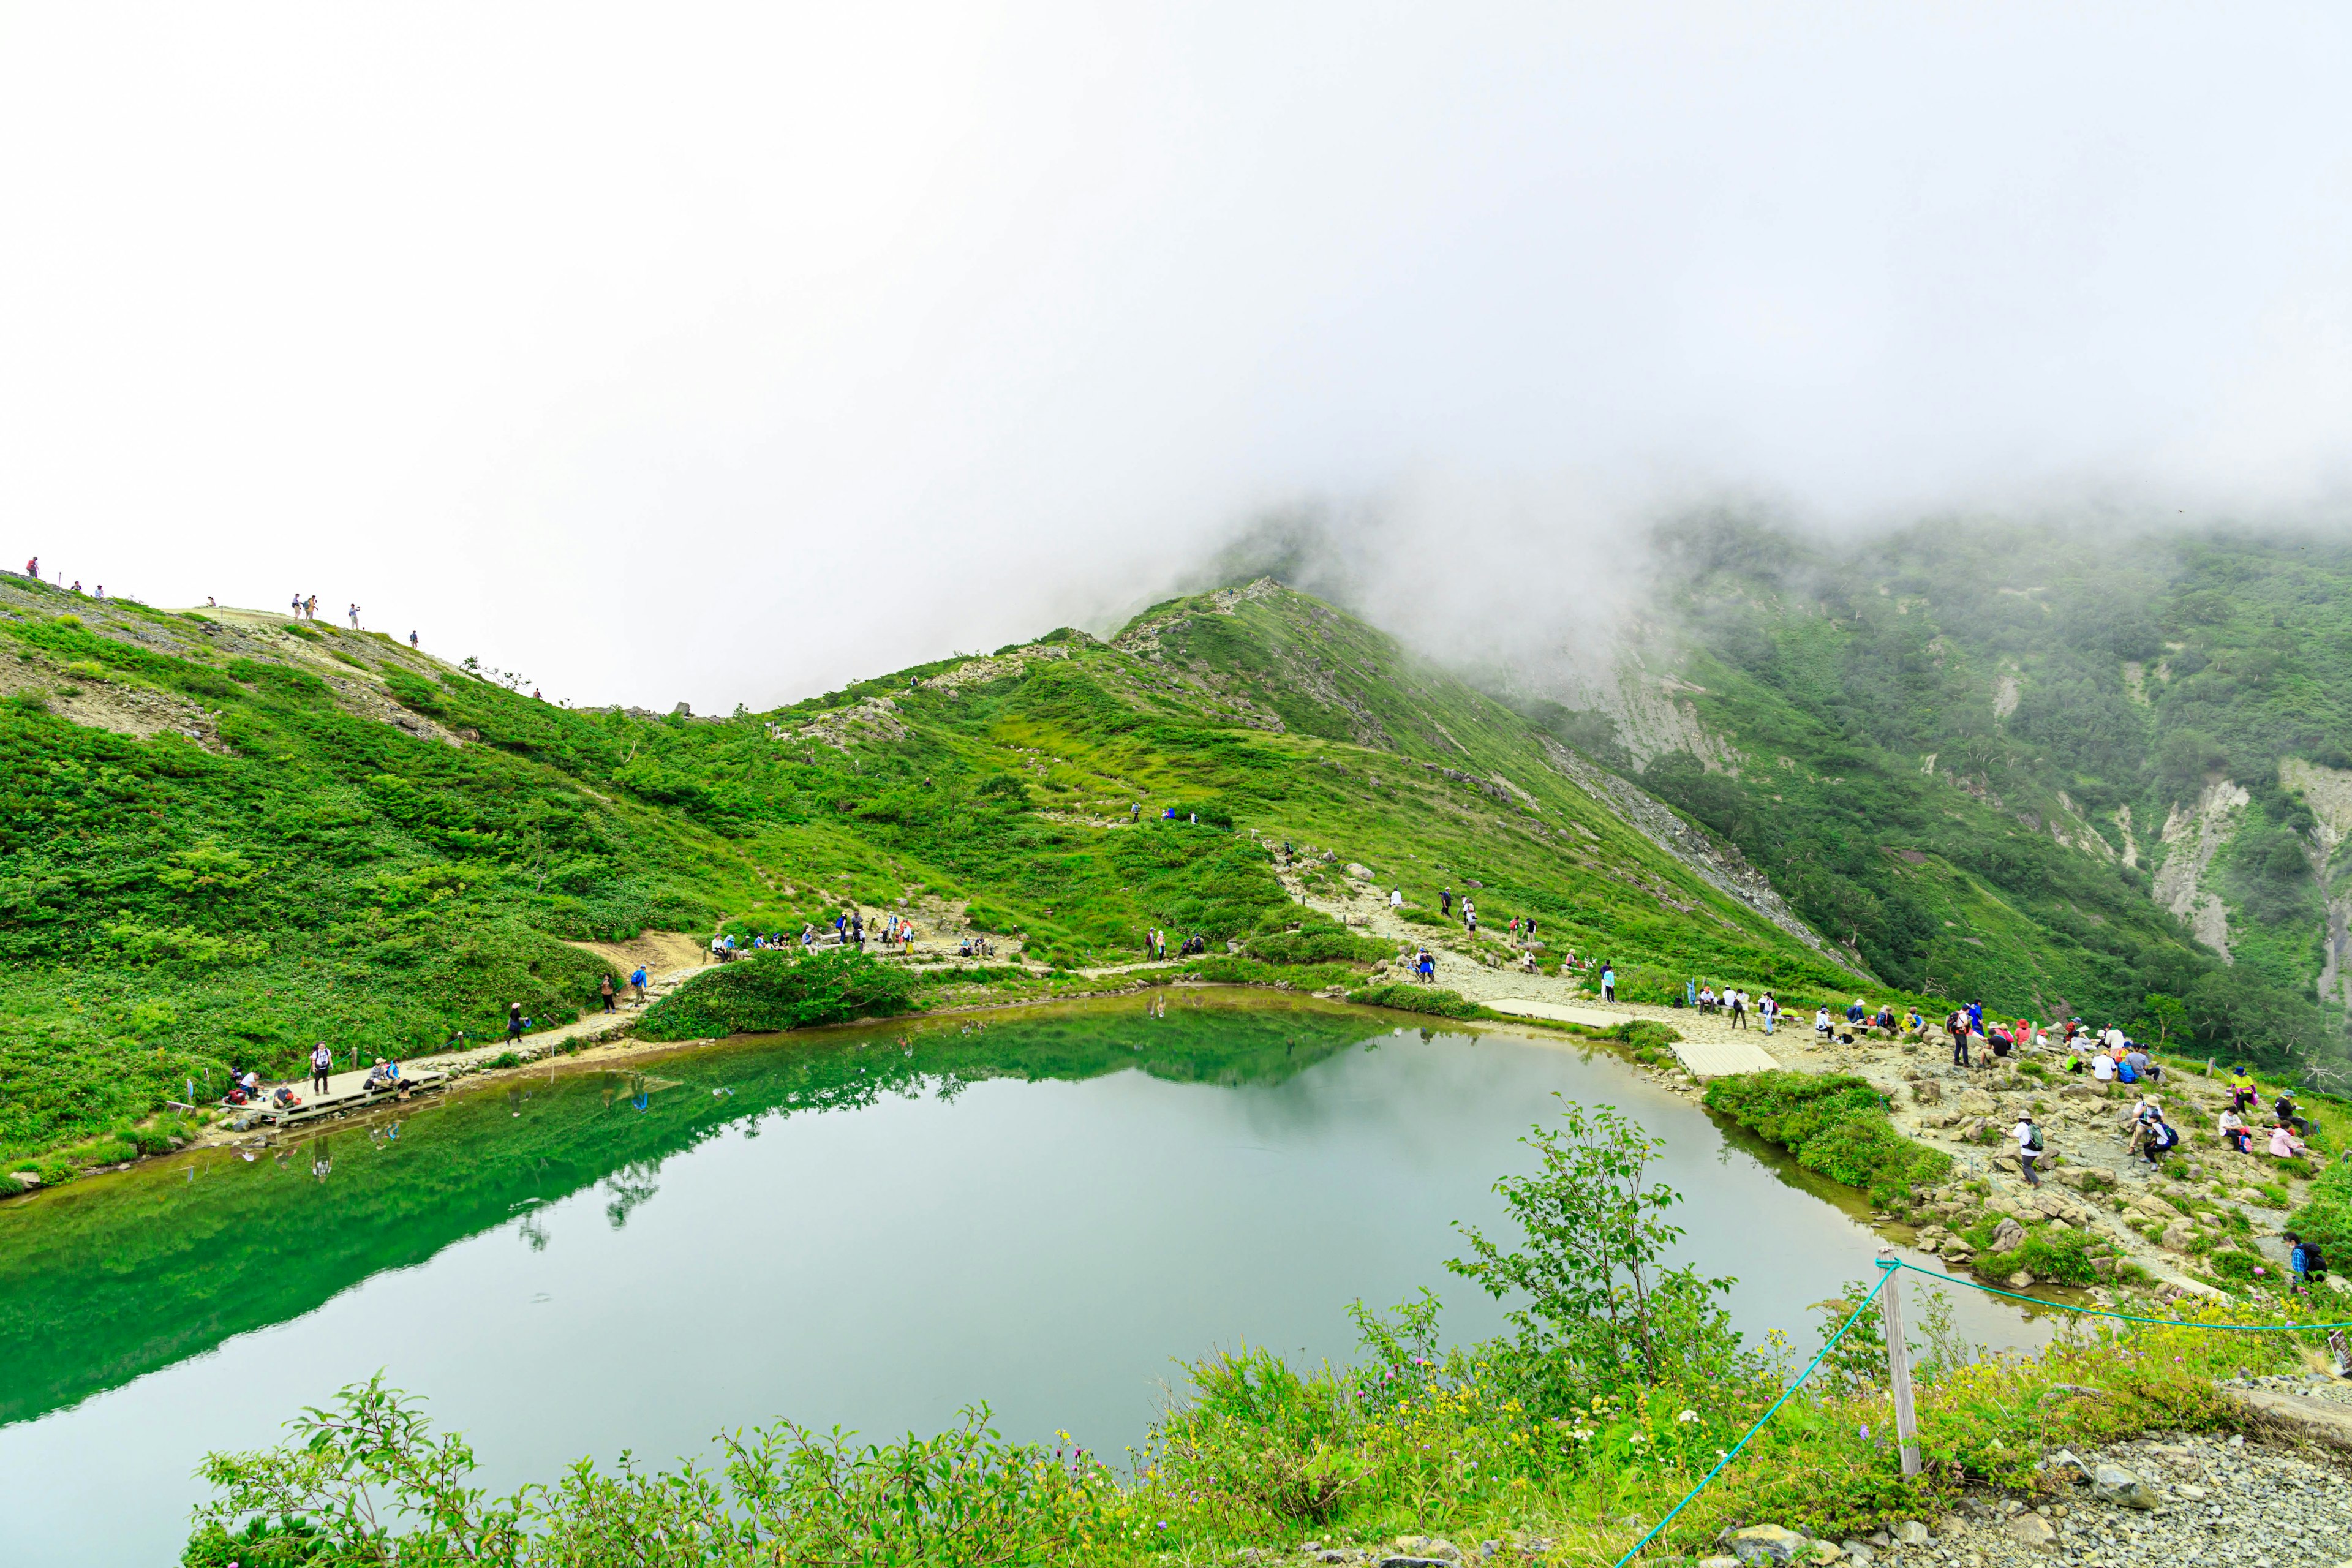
x=231 y=838
x=1959 y=748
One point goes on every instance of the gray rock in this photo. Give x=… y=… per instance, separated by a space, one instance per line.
x=2008 y=1235
x=1766 y=1543
x=1911 y=1532
x=1860 y=1551
x=2113 y=1483
x=2030 y=1530
x=2067 y=1467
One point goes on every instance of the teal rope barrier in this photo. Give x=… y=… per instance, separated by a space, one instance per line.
x=2104 y=1312
x=1887 y=1273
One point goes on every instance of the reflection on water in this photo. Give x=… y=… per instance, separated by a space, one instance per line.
x=870 y=1228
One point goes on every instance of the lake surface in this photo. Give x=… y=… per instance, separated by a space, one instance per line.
x=868 y=1228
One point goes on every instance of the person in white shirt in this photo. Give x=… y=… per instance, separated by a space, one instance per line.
x=2102 y=1067
x=2029 y=1146
x=1821 y=1023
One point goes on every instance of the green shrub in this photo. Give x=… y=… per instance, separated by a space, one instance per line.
x=1417 y=999
x=771 y=991
x=1835 y=1123
x=1645 y=1033
x=2327 y=1216
x=1316 y=944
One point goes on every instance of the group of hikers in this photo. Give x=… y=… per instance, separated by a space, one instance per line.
x=245 y=1088
x=1730 y=1003
x=850 y=928
x=306 y=608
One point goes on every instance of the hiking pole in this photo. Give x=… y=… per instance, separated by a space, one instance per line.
x=1898 y=1361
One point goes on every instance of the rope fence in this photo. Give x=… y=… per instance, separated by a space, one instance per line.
x=1888 y=1269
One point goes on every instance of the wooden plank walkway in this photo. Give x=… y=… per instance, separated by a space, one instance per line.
x=1721 y=1058
x=1560 y=1013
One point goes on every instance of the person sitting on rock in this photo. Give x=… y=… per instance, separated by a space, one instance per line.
x=2233 y=1130
x=2243 y=1095
x=2161 y=1140
x=2283 y=1112
x=1822 y=1022
x=2284 y=1145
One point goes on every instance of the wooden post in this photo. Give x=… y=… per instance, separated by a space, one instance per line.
x=1898 y=1361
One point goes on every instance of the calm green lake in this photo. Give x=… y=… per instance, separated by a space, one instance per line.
x=868 y=1228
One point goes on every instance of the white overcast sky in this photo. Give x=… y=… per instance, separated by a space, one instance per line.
x=723 y=354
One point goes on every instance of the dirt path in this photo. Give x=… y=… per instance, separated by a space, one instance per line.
x=2100 y=1186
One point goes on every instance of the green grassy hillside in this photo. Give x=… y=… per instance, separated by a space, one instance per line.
x=2057 y=772
x=231 y=836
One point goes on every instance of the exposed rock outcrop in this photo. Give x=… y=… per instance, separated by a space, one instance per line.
x=1722 y=865
x=2191 y=840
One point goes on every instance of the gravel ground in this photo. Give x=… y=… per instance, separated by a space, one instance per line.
x=2220 y=1501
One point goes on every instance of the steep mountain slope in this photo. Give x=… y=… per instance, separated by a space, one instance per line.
x=230 y=837
x=2056 y=771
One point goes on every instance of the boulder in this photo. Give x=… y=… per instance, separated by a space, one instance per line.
x=2067 y=1467
x=26 y=1179
x=1361 y=872
x=2113 y=1483
x=1910 y=1532
x=1973 y=1102
x=2030 y=1530
x=2020 y=1281
x=2177 y=1237
x=1926 y=1091
x=1859 y=1553
x=1765 y=1543
x=2008 y=1235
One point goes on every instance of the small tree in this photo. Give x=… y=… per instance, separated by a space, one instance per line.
x=1598 y=1305
x=2167 y=1016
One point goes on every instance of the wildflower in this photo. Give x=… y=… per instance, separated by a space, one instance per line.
x=1686 y=1416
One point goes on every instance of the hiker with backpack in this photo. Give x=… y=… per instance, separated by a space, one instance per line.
x=2161 y=1140
x=2303 y=1262
x=2029 y=1146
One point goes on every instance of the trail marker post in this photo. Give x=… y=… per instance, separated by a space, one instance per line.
x=1898 y=1361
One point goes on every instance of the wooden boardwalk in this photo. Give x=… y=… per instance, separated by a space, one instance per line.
x=1721 y=1058
x=1561 y=1013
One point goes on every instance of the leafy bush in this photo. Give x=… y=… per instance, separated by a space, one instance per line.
x=1406 y=998
x=1834 y=1124
x=1645 y=1034
x=1316 y=944
x=374 y=1484
x=2327 y=1216
x=773 y=991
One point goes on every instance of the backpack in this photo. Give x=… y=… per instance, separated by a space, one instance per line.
x=2123 y=1071
x=2033 y=1140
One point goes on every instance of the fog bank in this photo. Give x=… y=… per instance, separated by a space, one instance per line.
x=726 y=354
